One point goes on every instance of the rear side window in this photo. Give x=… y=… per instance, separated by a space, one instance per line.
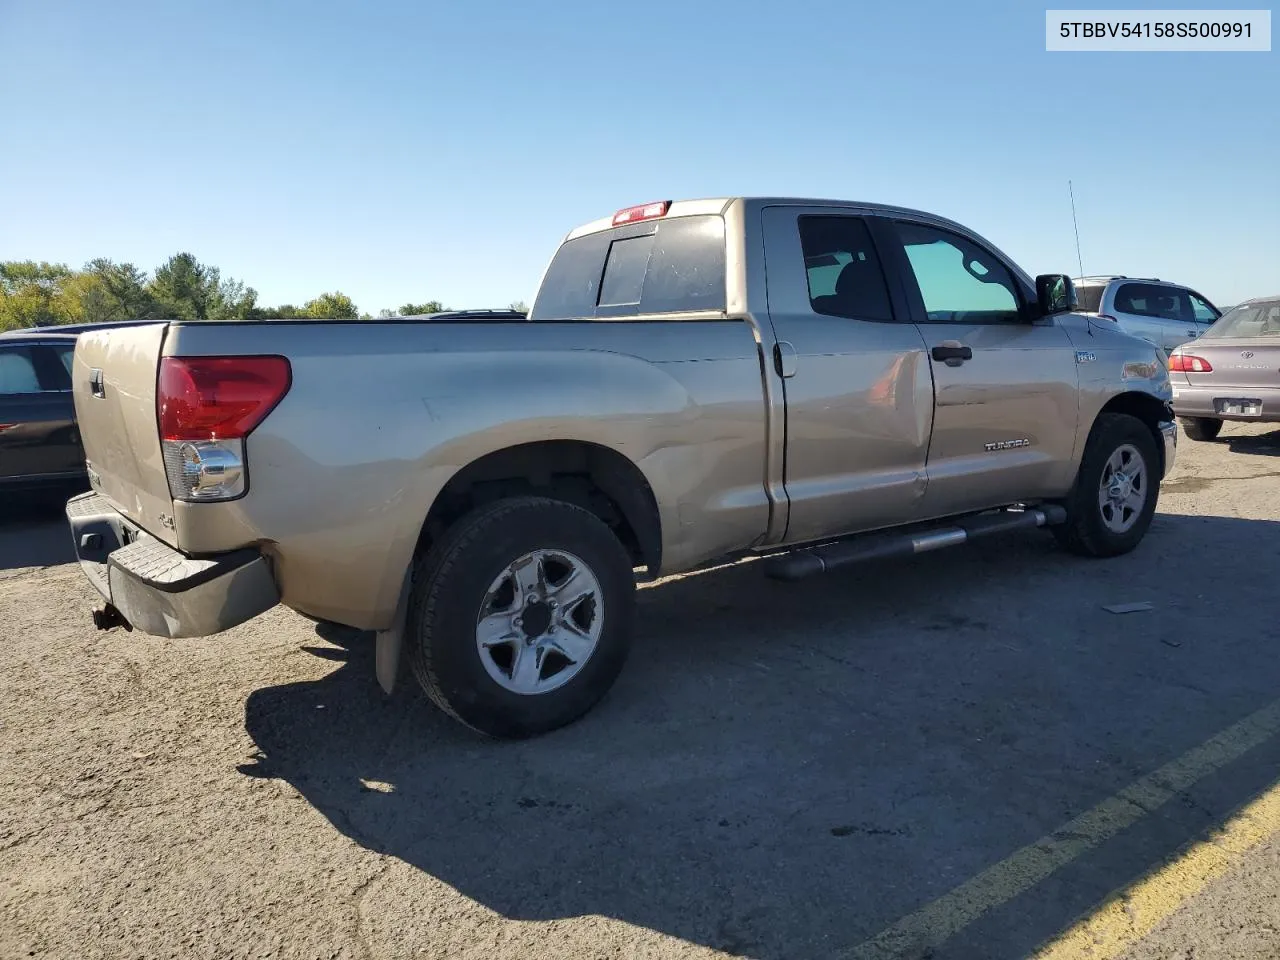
x=671 y=266
x=1149 y=300
x=843 y=269
x=32 y=368
x=1089 y=298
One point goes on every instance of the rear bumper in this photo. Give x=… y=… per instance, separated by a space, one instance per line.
x=1202 y=401
x=159 y=590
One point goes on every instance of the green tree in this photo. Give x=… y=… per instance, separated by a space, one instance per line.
x=106 y=291
x=34 y=294
x=332 y=306
x=519 y=305
x=412 y=309
x=186 y=289
x=285 y=311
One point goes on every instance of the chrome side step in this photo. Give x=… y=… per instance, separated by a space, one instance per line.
x=811 y=561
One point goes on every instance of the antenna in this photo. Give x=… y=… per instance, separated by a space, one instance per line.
x=1079 y=259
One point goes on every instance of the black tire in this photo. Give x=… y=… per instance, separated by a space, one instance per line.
x=1086 y=532
x=1201 y=428
x=451 y=584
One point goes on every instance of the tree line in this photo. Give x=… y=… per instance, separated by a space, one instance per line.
x=35 y=294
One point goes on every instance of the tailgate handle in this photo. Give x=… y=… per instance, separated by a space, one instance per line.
x=952 y=353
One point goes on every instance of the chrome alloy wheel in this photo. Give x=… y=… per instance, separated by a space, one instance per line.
x=540 y=621
x=1122 y=491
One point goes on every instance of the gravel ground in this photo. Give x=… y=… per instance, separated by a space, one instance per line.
x=782 y=772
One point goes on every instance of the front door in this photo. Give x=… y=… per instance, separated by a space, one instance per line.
x=1005 y=410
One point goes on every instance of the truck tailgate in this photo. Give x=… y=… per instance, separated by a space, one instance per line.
x=114 y=384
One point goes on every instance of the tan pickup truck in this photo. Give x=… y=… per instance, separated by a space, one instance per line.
x=819 y=381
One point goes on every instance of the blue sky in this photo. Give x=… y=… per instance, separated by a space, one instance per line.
x=413 y=150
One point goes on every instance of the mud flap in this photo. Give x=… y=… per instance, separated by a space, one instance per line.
x=391 y=640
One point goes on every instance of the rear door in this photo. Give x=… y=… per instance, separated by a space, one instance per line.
x=858 y=396
x=38 y=435
x=114 y=385
x=1005 y=386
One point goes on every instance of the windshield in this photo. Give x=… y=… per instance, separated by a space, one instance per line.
x=1258 y=319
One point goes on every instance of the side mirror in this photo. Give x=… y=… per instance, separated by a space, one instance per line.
x=1055 y=293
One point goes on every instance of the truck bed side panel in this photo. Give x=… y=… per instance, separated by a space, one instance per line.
x=379 y=417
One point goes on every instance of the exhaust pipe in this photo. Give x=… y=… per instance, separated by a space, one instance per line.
x=109 y=617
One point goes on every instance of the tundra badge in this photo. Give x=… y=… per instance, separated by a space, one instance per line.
x=1006 y=444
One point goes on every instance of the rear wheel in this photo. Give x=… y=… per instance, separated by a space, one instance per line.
x=520 y=618
x=1201 y=428
x=1114 y=498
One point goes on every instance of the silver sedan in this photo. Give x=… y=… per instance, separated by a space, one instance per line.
x=1232 y=372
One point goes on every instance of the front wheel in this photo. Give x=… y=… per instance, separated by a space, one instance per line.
x=520 y=617
x=1201 y=428
x=1114 y=498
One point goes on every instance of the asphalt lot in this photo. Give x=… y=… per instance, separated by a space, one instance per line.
x=960 y=756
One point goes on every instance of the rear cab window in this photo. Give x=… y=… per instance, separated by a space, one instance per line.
x=674 y=265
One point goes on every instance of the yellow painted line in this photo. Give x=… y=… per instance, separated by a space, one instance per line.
x=1133 y=913
x=936 y=922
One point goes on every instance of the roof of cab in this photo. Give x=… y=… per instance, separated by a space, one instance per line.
x=718 y=205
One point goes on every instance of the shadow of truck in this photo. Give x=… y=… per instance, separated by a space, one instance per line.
x=785 y=770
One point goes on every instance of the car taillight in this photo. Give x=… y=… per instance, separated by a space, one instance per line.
x=205 y=407
x=1188 y=363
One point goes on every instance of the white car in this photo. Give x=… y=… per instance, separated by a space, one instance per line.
x=1166 y=314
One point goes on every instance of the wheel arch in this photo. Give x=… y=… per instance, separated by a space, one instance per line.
x=1149 y=409
x=589 y=475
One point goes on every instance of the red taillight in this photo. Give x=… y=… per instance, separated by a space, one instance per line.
x=645 y=211
x=218 y=398
x=1187 y=363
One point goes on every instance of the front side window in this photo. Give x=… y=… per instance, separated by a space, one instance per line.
x=959 y=281
x=58 y=373
x=1204 y=313
x=843 y=270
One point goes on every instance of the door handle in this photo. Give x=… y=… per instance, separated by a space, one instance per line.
x=952 y=352
x=784 y=359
